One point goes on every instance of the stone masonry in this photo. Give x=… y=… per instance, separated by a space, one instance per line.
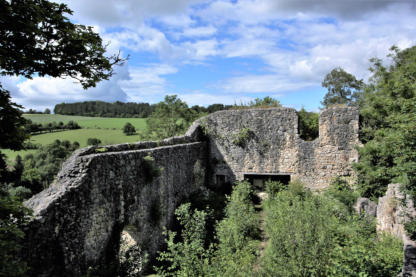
x=78 y=221
x=273 y=145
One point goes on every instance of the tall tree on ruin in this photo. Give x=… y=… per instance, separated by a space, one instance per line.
x=343 y=88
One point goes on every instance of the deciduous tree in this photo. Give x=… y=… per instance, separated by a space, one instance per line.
x=343 y=88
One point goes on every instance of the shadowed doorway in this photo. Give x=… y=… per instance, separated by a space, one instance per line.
x=258 y=180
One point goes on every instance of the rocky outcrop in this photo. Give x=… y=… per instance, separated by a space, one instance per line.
x=393 y=210
x=366 y=206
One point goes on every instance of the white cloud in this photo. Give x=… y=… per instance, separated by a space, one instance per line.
x=201 y=49
x=261 y=84
x=44 y=92
x=203 y=31
x=146 y=83
x=127 y=13
x=286 y=45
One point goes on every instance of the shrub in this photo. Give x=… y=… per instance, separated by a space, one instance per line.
x=243 y=137
x=301 y=227
x=187 y=257
x=93 y=141
x=273 y=187
x=342 y=191
x=129 y=129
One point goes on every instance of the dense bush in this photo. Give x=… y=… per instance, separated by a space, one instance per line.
x=302 y=235
x=41 y=167
x=93 y=141
x=319 y=235
x=129 y=129
x=234 y=252
x=309 y=235
x=342 y=191
x=13 y=217
x=37 y=128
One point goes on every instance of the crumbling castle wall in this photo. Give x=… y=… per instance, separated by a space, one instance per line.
x=267 y=141
x=78 y=220
x=100 y=191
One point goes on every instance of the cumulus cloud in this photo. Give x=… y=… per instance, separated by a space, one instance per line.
x=261 y=84
x=130 y=13
x=147 y=83
x=44 y=92
x=281 y=45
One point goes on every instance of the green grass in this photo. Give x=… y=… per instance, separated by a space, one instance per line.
x=89 y=122
x=108 y=130
x=107 y=136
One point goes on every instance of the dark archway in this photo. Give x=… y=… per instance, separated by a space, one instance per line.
x=258 y=180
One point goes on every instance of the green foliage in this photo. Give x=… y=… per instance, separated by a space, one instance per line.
x=302 y=235
x=37 y=128
x=234 y=253
x=171 y=117
x=308 y=125
x=309 y=235
x=129 y=129
x=12 y=133
x=93 y=141
x=318 y=235
x=363 y=254
x=237 y=234
x=39 y=38
x=343 y=88
x=242 y=137
x=20 y=193
x=410 y=228
x=189 y=256
x=388 y=126
x=41 y=168
x=104 y=109
x=13 y=217
x=340 y=190
x=266 y=102
x=274 y=187
x=150 y=170
x=101 y=150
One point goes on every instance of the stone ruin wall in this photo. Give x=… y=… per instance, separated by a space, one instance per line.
x=78 y=220
x=101 y=191
x=274 y=145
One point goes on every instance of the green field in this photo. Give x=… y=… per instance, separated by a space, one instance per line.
x=88 y=122
x=108 y=130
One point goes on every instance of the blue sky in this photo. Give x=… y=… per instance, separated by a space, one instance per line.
x=223 y=51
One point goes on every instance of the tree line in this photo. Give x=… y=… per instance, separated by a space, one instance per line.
x=121 y=109
x=38 y=128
